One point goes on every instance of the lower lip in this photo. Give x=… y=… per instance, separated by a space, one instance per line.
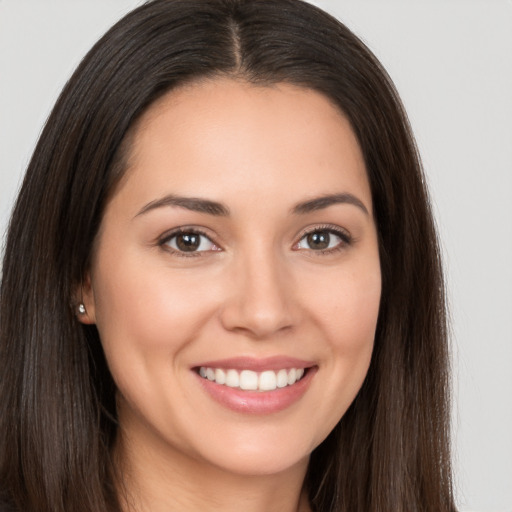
x=258 y=402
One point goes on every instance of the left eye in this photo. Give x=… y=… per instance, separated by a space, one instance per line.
x=190 y=242
x=320 y=240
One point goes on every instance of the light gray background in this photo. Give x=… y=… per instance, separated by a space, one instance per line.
x=452 y=63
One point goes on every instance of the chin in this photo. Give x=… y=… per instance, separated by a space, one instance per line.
x=261 y=453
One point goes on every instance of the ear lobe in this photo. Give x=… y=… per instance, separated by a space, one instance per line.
x=84 y=303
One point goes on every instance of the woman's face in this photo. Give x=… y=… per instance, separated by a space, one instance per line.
x=235 y=281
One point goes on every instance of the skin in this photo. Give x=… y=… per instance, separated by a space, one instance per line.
x=256 y=289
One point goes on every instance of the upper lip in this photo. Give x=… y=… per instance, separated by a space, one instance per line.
x=257 y=364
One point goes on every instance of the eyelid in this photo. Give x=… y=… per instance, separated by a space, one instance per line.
x=342 y=233
x=164 y=239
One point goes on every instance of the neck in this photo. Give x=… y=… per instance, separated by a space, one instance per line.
x=162 y=480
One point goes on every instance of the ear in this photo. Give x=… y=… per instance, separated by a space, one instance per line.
x=84 y=302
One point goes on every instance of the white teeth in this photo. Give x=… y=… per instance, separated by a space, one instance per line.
x=268 y=381
x=282 y=378
x=220 y=376
x=232 y=379
x=249 y=380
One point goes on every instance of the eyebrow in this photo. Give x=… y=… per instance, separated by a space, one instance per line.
x=209 y=207
x=195 y=204
x=322 y=202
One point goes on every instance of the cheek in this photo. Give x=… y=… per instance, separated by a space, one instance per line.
x=146 y=319
x=145 y=316
x=348 y=316
x=349 y=311
x=135 y=297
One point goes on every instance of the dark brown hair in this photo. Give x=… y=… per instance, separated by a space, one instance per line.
x=390 y=452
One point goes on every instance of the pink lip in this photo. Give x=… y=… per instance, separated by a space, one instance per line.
x=257 y=402
x=257 y=364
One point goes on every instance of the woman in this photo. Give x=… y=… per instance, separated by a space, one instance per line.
x=221 y=286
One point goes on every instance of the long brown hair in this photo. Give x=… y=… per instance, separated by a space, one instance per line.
x=390 y=452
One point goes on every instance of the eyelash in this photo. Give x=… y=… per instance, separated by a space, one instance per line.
x=183 y=231
x=345 y=237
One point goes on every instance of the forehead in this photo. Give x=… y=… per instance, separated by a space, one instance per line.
x=221 y=135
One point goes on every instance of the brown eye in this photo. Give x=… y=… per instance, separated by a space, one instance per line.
x=190 y=242
x=323 y=239
x=318 y=240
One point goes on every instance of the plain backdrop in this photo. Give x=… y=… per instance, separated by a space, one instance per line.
x=452 y=63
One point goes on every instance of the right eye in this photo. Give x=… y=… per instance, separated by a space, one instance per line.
x=324 y=240
x=189 y=242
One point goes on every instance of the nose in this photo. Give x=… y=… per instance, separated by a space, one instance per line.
x=260 y=300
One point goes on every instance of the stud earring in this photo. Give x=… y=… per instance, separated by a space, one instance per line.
x=81 y=309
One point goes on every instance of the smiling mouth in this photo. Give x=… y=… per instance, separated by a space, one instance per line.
x=249 y=380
